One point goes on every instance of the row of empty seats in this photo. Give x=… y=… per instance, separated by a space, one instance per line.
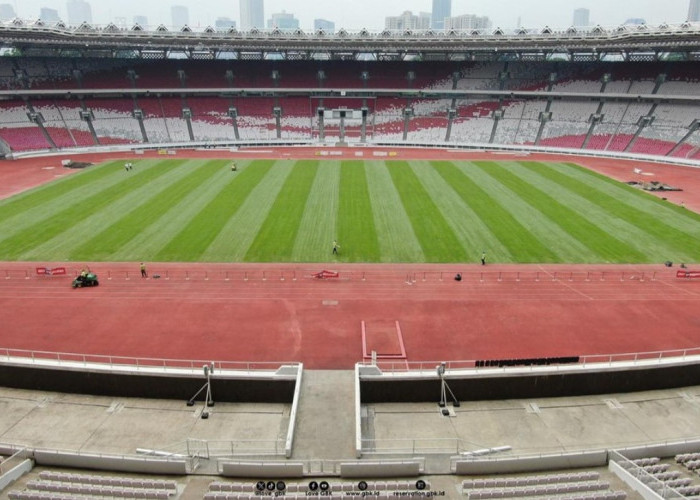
x=39 y=72
x=494 y=482
x=672 y=478
x=109 y=480
x=605 y=495
x=95 y=490
x=687 y=457
x=537 y=490
x=62 y=486
x=574 y=485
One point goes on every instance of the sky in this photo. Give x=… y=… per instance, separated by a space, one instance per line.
x=370 y=14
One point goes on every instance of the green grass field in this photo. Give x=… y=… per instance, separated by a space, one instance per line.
x=378 y=211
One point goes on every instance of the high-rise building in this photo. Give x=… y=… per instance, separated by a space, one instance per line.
x=582 y=17
x=283 y=20
x=141 y=21
x=180 y=15
x=79 y=12
x=49 y=15
x=224 y=23
x=252 y=14
x=325 y=25
x=7 y=11
x=442 y=9
x=408 y=21
x=694 y=11
x=468 y=22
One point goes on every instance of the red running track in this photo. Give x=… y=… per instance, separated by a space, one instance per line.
x=230 y=313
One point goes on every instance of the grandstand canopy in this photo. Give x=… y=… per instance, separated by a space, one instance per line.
x=623 y=43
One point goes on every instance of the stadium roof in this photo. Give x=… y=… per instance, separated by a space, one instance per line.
x=628 y=42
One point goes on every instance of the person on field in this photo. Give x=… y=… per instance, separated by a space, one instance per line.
x=483 y=258
x=336 y=247
x=144 y=274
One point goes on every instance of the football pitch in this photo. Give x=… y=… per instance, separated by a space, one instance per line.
x=193 y=210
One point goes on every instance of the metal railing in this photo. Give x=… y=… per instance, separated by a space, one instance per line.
x=410 y=274
x=429 y=367
x=10 y=355
x=657 y=486
x=208 y=449
x=412 y=446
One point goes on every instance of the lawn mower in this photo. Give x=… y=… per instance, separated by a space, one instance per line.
x=88 y=279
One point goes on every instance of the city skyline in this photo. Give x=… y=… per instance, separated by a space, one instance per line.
x=694 y=11
x=352 y=14
x=252 y=14
x=441 y=10
x=581 y=17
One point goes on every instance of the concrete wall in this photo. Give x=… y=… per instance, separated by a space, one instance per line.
x=595 y=458
x=504 y=386
x=670 y=449
x=145 y=386
x=21 y=468
x=110 y=462
x=262 y=469
x=380 y=468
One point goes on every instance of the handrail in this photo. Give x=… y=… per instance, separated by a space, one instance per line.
x=422 y=367
x=64 y=358
x=648 y=480
x=358 y=414
x=289 y=443
x=411 y=445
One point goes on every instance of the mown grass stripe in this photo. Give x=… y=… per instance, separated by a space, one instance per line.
x=649 y=235
x=28 y=200
x=239 y=232
x=147 y=211
x=49 y=206
x=195 y=237
x=357 y=234
x=82 y=208
x=605 y=246
x=474 y=236
x=276 y=237
x=63 y=244
x=397 y=241
x=435 y=235
x=515 y=241
x=617 y=227
x=661 y=210
x=319 y=222
x=546 y=232
x=152 y=238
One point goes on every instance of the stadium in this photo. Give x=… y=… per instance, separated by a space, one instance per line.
x=378 y=264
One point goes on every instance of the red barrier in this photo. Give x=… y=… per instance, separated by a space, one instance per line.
x=56 y=271
x=687 y=274
x=326 y=274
